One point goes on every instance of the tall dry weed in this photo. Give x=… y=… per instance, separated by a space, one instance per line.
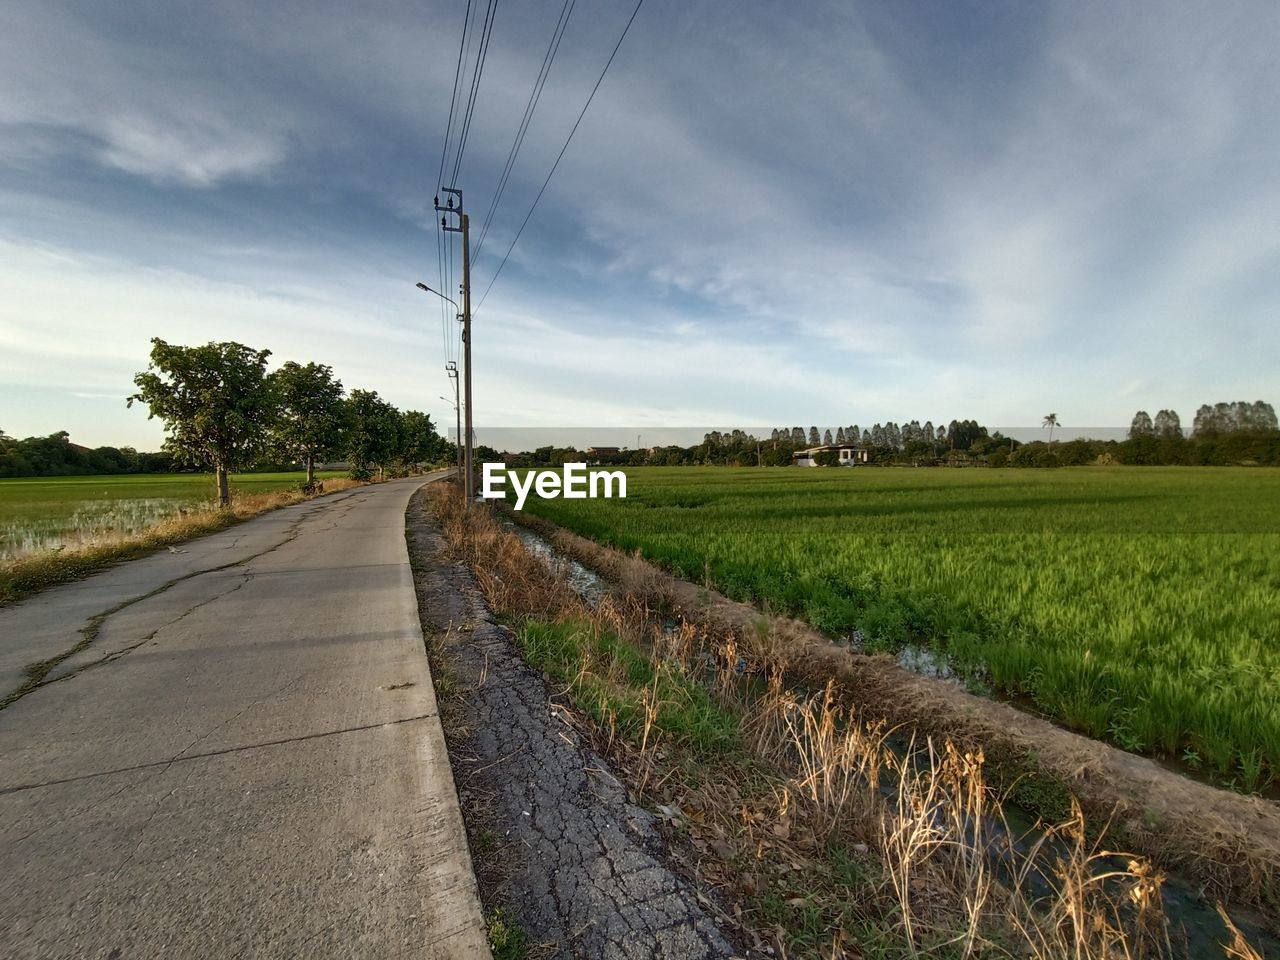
x=956 y=876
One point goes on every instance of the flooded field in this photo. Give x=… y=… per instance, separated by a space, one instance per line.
x=1136 y=605
x=53 y=513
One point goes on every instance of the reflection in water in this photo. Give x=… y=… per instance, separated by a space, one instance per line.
x=1190 y=913
x=91 y=522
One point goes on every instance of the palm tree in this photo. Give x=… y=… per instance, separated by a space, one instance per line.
x=1050 y=421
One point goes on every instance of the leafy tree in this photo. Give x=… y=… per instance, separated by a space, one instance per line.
x=373 y=432
x=309 y=427
x=826 y=437
x=797 y=436
x=963 y=434
x=774 y=437
x=839 y=435
x=1238 y=417
x=1263 y=418
x=1205 y=422
x=1168 y=424
x=814 y=439
x=1141 y=425
x=419 y=441
x=893 y=435
x=216 y=402
x=1050 y=421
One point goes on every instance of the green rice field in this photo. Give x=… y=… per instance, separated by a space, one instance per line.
x=45 y=513
x=1138 y=605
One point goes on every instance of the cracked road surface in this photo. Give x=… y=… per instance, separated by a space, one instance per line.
x=583 y=869
x=235 y=752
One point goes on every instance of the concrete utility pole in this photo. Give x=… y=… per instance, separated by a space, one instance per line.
x=464 y=228
x=452 y=369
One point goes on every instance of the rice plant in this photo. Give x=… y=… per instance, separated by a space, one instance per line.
x=1136 y=605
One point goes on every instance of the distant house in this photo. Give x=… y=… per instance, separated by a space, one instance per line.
x=847 y=456
x=604 y=451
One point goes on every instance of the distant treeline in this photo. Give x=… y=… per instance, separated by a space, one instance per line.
x=57 y=456
x=1224 y=434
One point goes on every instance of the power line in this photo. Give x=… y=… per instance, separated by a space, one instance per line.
x=534 y=96
x=444 y=153
x=453 y=98
x=608 y=63
x=482 y=53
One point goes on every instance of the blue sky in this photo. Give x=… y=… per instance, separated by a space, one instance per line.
x=772 y=213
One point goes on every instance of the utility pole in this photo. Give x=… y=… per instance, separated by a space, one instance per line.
x=452 y=369
x=464 y=228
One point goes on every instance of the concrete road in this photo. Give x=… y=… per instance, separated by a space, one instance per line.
x=237 y=754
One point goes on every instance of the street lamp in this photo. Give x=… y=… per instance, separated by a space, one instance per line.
x=425 y=289
x=451 y=368
x=458 y=435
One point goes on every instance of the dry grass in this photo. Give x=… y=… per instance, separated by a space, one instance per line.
x=29 y=574
x=826 y=836
x=1228 y=842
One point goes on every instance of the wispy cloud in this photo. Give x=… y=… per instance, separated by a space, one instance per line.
x=862 y=212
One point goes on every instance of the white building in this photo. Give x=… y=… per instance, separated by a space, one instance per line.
x=848 y=455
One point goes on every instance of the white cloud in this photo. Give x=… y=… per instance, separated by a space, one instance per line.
x=763 y=217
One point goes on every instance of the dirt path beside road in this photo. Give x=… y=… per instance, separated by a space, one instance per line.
x=557 y=845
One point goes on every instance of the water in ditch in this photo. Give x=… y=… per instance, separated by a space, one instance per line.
x=1189 y=912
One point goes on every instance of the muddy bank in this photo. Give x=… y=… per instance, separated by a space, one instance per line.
x=576 y=867
x=1228 y=842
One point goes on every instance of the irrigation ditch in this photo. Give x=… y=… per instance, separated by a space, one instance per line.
x=1211 y=845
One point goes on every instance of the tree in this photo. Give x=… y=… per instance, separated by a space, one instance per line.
x=839 y=435
x=814 y=439
x=372 y=436
x=1168 y=424
x=1238 y=417
x=1204 y=421
x=1141 y=425
x=826 y=437
x=774 y=436
x=309 y=427
x=1264 y=417
x=963 y=434
x=1050 y=421
x=216 y=402
x=893 y=435
x=419 y=441
x=797 y=436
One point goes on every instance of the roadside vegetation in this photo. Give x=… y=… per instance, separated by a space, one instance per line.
x=223 y=411
x=53 y=534
x=1137 y=606
x=828 y=836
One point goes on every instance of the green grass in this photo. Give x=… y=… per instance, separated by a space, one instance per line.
x=47 y=512
x=1139 y=605
x=507 y=939
x=612 y=679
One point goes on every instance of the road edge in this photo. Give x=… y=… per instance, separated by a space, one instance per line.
x=453 y=879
